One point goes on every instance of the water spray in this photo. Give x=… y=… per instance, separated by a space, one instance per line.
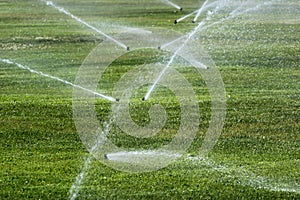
x=60 y=9
x=245 y=177
x=196 y=11
x=172 y=4
x=200 y=11
x=236 y=12
x=74 y=190
x=58 y=79
x=188 y=37
x=171 y=42
x=126 y=156
x=184 y=17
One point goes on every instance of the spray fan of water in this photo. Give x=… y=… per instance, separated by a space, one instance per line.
x=149 y=77
x=149 y=120
x=215 y=13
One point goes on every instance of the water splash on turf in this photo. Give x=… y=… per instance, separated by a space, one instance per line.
x=74 y=190
x=245 y=177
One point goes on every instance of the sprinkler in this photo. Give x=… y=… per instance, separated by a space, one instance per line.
x=105 y=156
x=172 y=4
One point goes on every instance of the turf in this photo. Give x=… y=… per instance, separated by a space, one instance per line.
x=41 y=152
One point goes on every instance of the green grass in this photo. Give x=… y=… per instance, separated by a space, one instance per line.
x=41 y=151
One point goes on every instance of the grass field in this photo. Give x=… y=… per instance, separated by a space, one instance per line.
x=256 y=157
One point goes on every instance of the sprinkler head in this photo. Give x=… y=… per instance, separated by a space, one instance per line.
x=175 y=22
x=117 y=99
x=193 y=21
x=143 y=99
x=128 y=48
x=181 y=9
x=105 y=156
x=158 y=48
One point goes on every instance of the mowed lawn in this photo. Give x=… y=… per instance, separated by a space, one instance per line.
x=256 y=157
